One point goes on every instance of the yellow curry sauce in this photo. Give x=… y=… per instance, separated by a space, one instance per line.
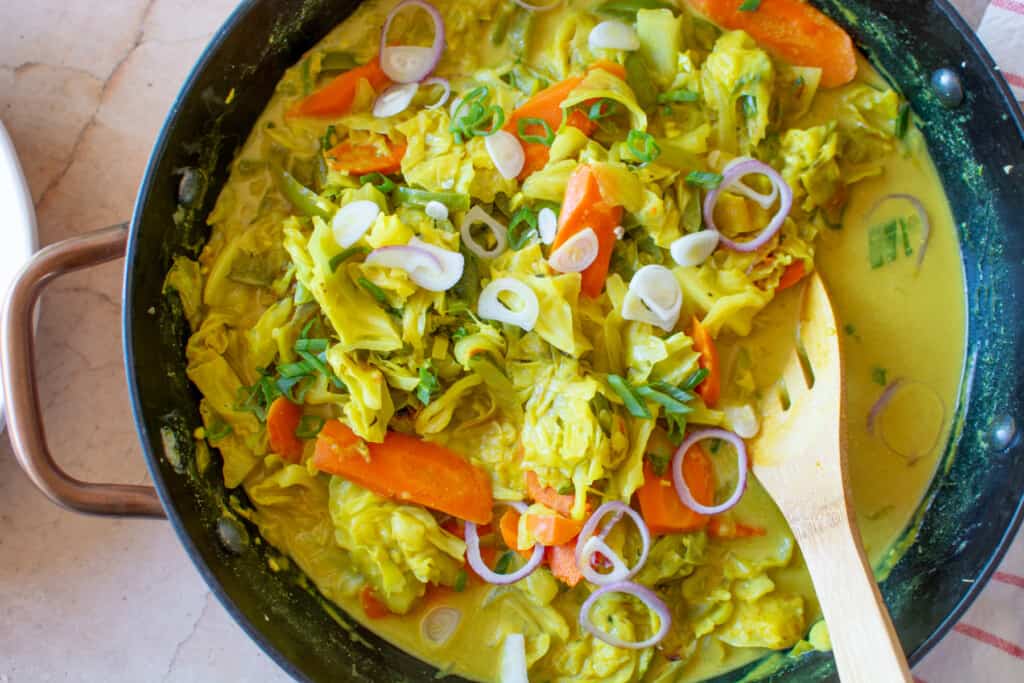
x=260 y=292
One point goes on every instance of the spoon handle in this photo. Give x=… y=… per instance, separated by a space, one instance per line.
x=864 y=641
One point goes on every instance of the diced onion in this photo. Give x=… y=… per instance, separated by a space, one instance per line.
x=577 y=253
x=646 y=596
x=440 y=624
x=695 y=248
x=735 y=173
x=409 y=63
x=507 y=153
x=477 y=215
x=588 y=544
x=490 y=306
x=619 y=232
x=436 y=210
x=513 y=660
x=352 y=221
x=486 y=573
x=538 y=8
x=443 y=82
x=547 y=225
x=394 y=100
x=654 y=297
x=613 y=35
x=683 y=489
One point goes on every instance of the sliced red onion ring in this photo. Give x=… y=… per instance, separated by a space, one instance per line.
x=394 y=100
x=577 y=253
x=500 y=232
x=739 y=187
x=432 y=268
x=409 y=63
x=588 y=544
x=443 y=82
x=646 y=596
x=683 y=489
x=881 y=403
x=490 y=307
x=485 y=572
x=538 y=8
x=926 y=224
x=734 y=174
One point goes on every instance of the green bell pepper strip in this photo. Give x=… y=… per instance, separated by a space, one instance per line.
x=410 y=196
x=301 y=197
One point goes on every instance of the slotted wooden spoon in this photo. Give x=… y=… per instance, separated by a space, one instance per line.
x=800 y=458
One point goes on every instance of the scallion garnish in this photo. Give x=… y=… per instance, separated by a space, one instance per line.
x=521 y=228
x=310 y=426
x=694 y=380
x=546 y=139
x=633 y=404
x=680 y=96
x=504 y=562
x=643 y=146
x=219 y=429
x=749 y=104
x=750 y=5
x=903 y=121
x=474 y=118
x=345 y=255
x=884 y=241
x=602 y=109
x=705 y=179
x=669 y=403
x=659 y=463
x=566 y=489
x=327 y=141
x=375 y=291
x=380 y=181
x=880 y=376
x=428 y=385
x=311 y=345
x=460 y=581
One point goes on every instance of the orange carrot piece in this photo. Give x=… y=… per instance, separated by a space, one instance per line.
x=662 y=510
x=372 y=606
x=793 y=274
x=537 y=155
x=283 y=419
x=551 y=530
x=357 y=159
x=562 y=561
x=583 y=208
x=547 y=496
x=711 y=387
x=793 y=30
x=720 y=527
x=335 y=99
x=407 y=469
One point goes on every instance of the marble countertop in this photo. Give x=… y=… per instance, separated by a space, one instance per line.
x=84 y=88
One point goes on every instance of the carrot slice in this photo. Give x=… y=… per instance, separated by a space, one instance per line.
x=562 y=561
x=356 y=159
x=662 y=510
x=547 y=496
x=372 y=606
x=553 y=530
x=720 y=527
x=792 y=29
x=793 y=274
x=283 y=419
x=335 y=99
x=407 y=469
x=583 y=208
x=711 y=387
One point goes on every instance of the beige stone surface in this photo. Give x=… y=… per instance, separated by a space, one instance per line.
x=84 y=87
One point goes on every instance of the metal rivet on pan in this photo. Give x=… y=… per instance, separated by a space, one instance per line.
x=232 y=535
x=190 y=186
x=948 y=87
x=1003 y=432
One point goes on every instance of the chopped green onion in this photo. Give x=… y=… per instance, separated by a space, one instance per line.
x=678 y=97
x=317 y=363
x=602 y=109
x=880 y=376
x=380 y=181
x=460 y=581
x=695 y=379
x=374 y=291
x=337 y=61
x=629 y=8
x=411 y=196
x=659 y=463
x=474 y=118
x=428 y=384
x=904 y=232
x=345 y=255
x=311 y=345
x=705 y=179
x=299 y=369
x=849 y=329
x=750 y=5
x=504 y=562
x=546 y=139
x=286 y=384
x=903 y=120
x=566 y=490
x=749 y=104
x=676 y=393
x=310 y=426
x=642 y=146
x=327 y=141
x=521 y=228
x=633 y=404
x=218 y=430
x=670 y=404
x=884 y=242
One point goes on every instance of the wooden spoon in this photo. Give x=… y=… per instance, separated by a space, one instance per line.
x=800 y=458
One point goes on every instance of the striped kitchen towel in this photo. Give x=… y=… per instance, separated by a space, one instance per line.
x=1002 y=31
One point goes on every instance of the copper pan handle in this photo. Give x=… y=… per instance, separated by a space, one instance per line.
x=24 y=418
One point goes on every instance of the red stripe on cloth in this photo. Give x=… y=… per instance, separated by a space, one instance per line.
x=1012 y=579
x=1014 y=79
x=992 y=639
x=1010 y=5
